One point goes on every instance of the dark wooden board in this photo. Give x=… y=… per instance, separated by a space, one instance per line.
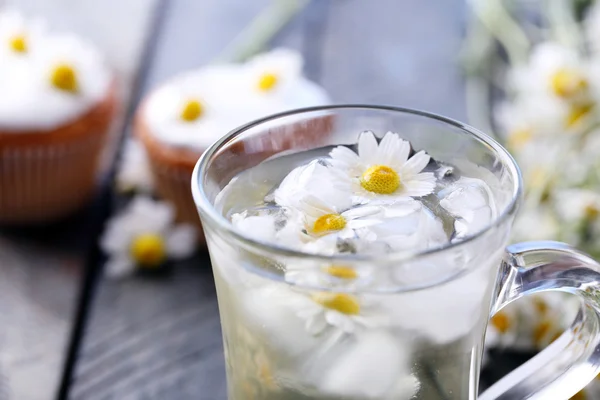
x=160 y=338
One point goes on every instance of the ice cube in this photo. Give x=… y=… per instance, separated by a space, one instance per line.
x=314 y=177
x=471 y=202
x=373 y=367
x=412 y=228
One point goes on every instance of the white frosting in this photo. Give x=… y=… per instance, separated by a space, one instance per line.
x=28 y=100
x=230 y=97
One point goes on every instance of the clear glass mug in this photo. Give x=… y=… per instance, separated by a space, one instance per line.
x=439 y=301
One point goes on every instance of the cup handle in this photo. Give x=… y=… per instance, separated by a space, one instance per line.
x=573 y=360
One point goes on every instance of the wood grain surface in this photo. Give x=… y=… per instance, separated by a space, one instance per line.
x=160 y=338
x=41 y=268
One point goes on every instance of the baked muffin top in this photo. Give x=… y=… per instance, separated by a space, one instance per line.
x=194 y=109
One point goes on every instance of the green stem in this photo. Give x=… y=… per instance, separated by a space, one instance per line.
x=255 y=37
x=498 y=20
x=563 y=23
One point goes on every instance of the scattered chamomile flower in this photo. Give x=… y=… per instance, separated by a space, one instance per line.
x=144 y=235
x=383 y=171
x=272 y=72
x=134 y=172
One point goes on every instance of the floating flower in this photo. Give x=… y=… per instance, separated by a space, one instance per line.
x=134 y=171
x=274 y=71
x=144 y=235
x=383 y=171
x=342 y=311
x=322 y=218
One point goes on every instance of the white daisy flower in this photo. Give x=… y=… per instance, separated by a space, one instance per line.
x=554 y=70
x=576 y=205
x=536 y=222
x=383 y=172
x=134 y=172
x=274 y=72
x=322 y=217
x=344 y=312
x=144 y=235
x=530 y=116
x=502 y=330
x=18 y=35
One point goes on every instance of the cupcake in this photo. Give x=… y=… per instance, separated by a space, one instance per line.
x=57 y=100
x=179 y=120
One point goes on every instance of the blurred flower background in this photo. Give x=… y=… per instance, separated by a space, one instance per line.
x=533 y=71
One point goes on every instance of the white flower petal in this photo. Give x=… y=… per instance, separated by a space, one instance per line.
x=119 y=267
x=393 y=150
x=414 y=165
x=420 y=185
x=368 y=148
x=316 y=324
x=182 y=241
x=343 y=157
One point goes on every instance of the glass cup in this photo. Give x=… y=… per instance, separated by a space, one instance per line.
x=420 y=335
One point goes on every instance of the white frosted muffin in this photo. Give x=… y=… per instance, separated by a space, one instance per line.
x=57 y=99
x=179 y=120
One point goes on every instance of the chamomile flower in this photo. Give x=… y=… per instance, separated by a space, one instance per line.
x=536 y=222
x=383 y=172
x=275 y=71
x=322 y=217
x=134 y=172
x=19 y=36
x=145 y=235
x=503 y=327
x=556 y=71
x=344 y=312
x=575 y=205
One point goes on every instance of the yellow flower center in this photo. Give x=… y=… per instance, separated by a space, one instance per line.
x=148 y=250
x=568 y=83
x=339 y=271
x=18 y=43
x=540 y=305
x=380 y=179
x=192 y=110
x=577 y=112
x=63 y=77
x=501 y=322
x=341 y=302
x=267 y=82
x=329 y=222
x=519 y=137
x=541 y=331
x=591 y=212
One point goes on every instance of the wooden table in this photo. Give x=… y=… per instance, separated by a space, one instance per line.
x=160 y=338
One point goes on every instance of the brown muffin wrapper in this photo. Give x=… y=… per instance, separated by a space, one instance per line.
x=46 y=175
x=172 y=167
